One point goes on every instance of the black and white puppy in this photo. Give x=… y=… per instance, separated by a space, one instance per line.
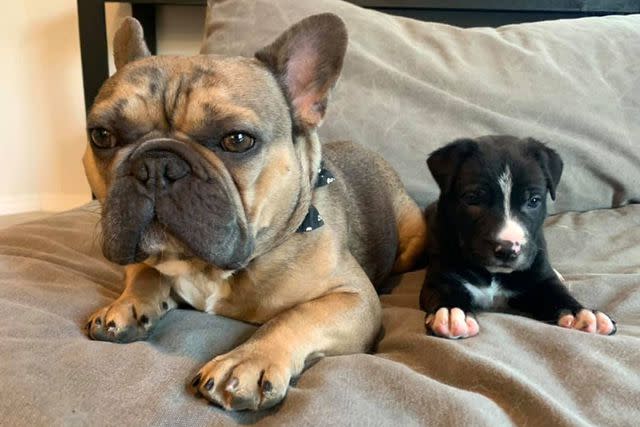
x=486 y=248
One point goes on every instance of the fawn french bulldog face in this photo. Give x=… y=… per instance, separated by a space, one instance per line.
x=209 y=156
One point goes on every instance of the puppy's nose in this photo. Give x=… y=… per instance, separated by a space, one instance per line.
x=507 y=250
x=160 y=168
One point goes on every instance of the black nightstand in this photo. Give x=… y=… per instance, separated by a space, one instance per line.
x=464 y=13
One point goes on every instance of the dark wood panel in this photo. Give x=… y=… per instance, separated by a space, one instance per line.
x=161 y=2
x=93 y=47
x=475 y=18
x=146 y=14
x=613 y=6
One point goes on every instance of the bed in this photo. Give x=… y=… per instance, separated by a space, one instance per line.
x=407 y=88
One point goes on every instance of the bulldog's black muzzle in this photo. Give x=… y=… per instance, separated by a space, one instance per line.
x=159 y=169
x=166 y=188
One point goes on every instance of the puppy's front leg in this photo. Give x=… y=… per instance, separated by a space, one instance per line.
x=256 y=374
x=448 y=306
x=143 y=302
x=549 y=300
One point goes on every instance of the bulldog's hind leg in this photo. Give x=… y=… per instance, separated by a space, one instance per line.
x=130 y=318
x=412 y=234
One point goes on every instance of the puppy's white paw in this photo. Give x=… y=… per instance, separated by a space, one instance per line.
x=451 y=323
x=588 y=321
x=244 y=378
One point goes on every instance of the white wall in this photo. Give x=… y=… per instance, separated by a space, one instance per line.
x=42 y=118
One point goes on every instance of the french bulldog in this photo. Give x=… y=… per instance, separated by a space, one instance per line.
x=216 y=192
x=486 y=248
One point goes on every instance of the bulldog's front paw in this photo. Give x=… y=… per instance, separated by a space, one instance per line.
x=244 y=379
x=126 y=320
x=451 y=323
x=588 y=321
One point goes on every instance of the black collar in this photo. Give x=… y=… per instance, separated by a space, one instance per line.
x=313 y=219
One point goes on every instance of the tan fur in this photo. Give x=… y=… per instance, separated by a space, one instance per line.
x=145 y=292
x=412 y=231
x=258 y=193
x=95 y=178
x=306 y=308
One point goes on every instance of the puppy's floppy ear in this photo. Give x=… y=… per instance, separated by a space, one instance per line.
x=550 y=163
x=444 y=162
x=128 y=43
x=307 y=59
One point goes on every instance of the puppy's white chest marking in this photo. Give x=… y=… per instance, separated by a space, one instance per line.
x=489 y=297
x=198 y=285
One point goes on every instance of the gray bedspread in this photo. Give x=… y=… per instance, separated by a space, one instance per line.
x=517 y=371
x=407 y=88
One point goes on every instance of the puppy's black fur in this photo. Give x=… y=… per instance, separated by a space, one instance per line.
x=488 y=185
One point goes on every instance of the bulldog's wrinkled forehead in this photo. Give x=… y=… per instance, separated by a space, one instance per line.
x=186 y=94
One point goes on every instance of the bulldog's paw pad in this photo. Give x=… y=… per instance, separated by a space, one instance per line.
x=451 y=323
x=238 y=382
x=125 y=320
x=593 y=322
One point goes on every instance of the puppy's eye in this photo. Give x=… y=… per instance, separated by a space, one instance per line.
x=102 y=138
x=473 y=197
x=534 y=201
x=237 y=142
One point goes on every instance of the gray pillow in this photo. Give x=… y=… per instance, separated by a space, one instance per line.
x=409 y=87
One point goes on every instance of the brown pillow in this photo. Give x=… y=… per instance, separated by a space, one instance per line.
x=409 y=87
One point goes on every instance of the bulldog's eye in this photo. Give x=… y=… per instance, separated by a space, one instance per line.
x=102 y=138
x=237 y=142
x=534 y=201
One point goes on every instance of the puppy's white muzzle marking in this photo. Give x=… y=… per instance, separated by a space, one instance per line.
x=512 y=231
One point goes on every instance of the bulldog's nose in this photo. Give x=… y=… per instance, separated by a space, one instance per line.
x=507 y=250
x=160 y=168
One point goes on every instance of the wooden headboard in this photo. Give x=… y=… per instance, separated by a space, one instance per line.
x=494 y=13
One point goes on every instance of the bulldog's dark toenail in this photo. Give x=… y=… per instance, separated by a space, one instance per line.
x=111 y=324
x=165 y=305
x=209 y=384
x=267 y=386
x=144 y=319
x=196 y=380
x=98 y=321
x=134 y=312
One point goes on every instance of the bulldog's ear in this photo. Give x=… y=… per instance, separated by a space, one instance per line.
x=307 y=59
x=128 y=43
x=444 y=162
x=550 y=163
